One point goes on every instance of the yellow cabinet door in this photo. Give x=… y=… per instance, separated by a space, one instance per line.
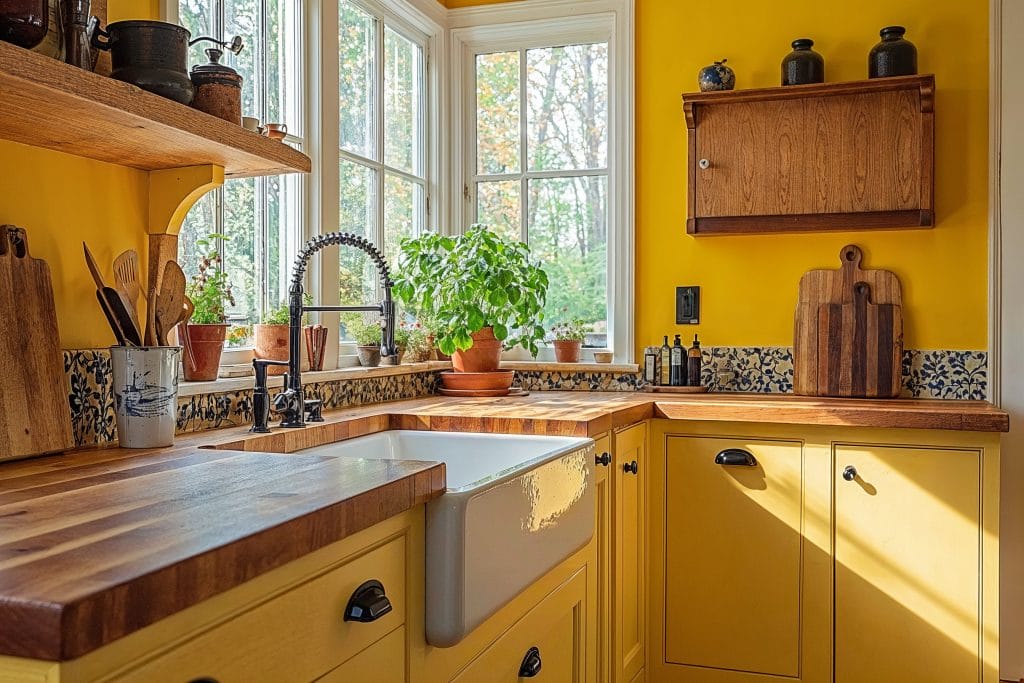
x=629 y=600
x=733 y=557
x=553 y=635
x=382 y=662
x=909 y=544
x=603 y=552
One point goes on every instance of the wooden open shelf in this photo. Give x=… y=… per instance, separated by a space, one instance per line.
x=46 y=103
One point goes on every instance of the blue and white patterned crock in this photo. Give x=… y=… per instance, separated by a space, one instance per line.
x=716 y=77
x=145 y=394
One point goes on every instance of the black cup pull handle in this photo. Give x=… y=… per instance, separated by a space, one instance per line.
x=204 y=679
x=733 y=457
x=604 y=459
x=531 y=663
x=630 y=467
x=94 y=38
x=368 y=603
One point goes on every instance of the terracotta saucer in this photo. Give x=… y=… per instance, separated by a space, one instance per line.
x=514 y=391
x=500 y=380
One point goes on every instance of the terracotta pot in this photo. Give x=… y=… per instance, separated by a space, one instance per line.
x=483 y=356
x=567 y=351
x=369 y=356
x=392 y=360
x=271 y=344
x=203 y=346
x=471 y=381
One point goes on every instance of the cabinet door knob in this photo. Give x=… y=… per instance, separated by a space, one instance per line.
x=732 y=457
x=629 y=467
x=704 y=164
x=849 y=473
x=368 y=603
x=531 y=663
x=604 y=459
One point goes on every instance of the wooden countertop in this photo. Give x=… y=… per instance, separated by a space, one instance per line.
x=99 y=543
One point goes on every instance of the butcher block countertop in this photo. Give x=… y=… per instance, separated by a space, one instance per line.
x=99 y=543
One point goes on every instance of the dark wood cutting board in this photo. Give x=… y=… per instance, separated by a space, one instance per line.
x=860 y=347
x=826 y=286
x=34 y=414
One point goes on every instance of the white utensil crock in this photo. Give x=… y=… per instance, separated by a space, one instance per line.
x=145 y=394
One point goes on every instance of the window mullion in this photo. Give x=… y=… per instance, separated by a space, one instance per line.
x=378 y=116
x=523 y=144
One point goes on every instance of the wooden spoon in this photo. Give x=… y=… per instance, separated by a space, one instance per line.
x=170 y=302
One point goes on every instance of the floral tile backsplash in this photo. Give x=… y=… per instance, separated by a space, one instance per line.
x=760 y=369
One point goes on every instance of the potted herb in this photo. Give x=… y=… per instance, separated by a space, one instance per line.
x=479 y=290
x=210 y=292
x=413 y=342
x=368 y=336
x=271 y=338
x=568 y=339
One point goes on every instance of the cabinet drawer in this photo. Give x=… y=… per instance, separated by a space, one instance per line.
x=298 y=635
x=733 y=557
x=384 y=661
x=556 y=626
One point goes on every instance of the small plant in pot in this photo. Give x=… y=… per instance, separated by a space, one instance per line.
x=479 y=291
x=210 y=292
x=568 y=339
x=270 y=338
x=368 y=337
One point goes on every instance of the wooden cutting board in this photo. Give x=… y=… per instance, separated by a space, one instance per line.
x=860 y=347
x=34 y=414
x=824 y=286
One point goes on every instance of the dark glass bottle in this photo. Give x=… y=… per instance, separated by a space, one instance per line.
x=893 y=56
x=665 y=378
x=803 y=65
x=694 y=365
x=24 y=22
x=678 y=378
x=77 y=49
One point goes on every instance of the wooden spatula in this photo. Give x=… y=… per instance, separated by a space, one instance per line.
x=170 y=302
x=126 y=278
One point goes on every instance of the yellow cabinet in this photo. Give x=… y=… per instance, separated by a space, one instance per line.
x=909 y=540
x=603 y=552
x=629 y=599
x=549 y=642
x=382 y=662
x=734 y=550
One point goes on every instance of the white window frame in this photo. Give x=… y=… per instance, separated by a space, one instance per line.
x=545 y=23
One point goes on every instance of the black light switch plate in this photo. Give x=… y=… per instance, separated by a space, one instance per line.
x=687 y=305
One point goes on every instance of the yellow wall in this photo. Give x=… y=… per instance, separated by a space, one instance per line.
x=749 y=283
x=61 y=200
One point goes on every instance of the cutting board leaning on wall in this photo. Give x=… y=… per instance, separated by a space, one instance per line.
x=34 y=414
x=848 y=339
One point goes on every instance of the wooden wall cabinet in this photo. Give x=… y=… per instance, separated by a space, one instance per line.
x=832 y=156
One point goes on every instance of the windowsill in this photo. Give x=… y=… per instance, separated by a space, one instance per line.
x=226 y=384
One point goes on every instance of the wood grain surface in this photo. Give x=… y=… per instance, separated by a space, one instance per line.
x=47 y=103
x=99 y=544
x=34 y=413
x=822 y=157
x=833 y=286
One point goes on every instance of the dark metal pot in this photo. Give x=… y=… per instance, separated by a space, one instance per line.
x=150 y=54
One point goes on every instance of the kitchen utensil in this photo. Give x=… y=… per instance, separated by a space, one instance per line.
x=316 y=343
x=152 y=55
x=170 y=303
x=860 y=347
x=118 y=308
x=34 y=413
x=24 y=22
x=218 y=88
x=126 y=277
x=163 y=248
x=826 y=286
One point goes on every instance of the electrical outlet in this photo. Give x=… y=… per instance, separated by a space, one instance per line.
x=687 y=305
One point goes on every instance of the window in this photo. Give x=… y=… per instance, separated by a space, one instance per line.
x=382 y=165
x=260 y=217
x=544 y=108
x=542 y=168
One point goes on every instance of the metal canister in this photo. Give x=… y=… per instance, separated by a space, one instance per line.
x=218 y=88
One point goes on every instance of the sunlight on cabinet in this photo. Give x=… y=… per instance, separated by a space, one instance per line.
x=629 y=601
x=603 y=552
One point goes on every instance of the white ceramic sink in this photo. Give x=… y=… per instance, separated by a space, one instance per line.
x=515 y=507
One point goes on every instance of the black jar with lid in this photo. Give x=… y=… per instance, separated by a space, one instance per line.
x=218 y=88
x=803 y=65
x=893 y=56
x=24 y=22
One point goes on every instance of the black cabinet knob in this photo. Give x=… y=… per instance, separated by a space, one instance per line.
x=531 y=663
x=368 y=603
x=630 y=467
x=732 y=457
x=850 y=473
x=604 y=459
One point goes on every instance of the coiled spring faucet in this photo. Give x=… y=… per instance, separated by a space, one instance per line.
x=291 y=403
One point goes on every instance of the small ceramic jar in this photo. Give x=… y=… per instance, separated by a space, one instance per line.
x=803 y=65
x=218 y=88
x=893 y=56
x=717 y=76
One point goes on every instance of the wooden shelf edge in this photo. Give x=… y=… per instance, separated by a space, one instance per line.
x=924 y=82
x=56 y=106
x=810 y=222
